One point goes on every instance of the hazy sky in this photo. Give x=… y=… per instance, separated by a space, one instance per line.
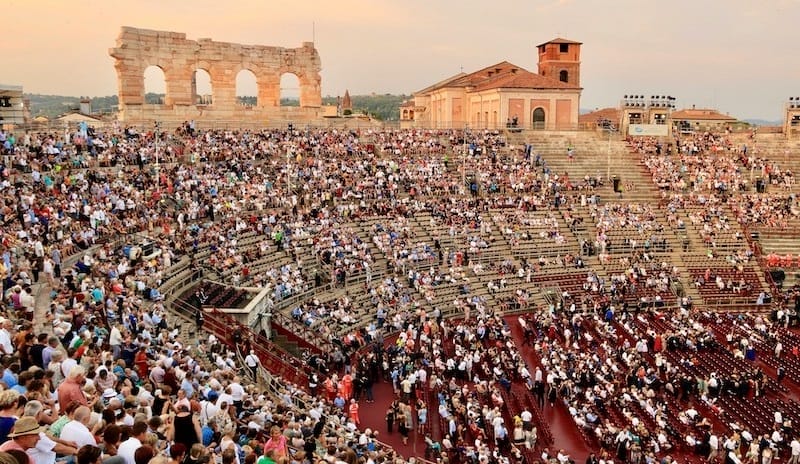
x=739 y=56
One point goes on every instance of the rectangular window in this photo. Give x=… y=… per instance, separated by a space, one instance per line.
x=563 y=48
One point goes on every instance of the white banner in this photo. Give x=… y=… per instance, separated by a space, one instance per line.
x=649 y=130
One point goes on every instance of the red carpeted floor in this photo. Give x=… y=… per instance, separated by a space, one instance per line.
x=565 y=433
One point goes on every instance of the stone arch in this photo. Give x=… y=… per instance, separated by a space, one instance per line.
x=202 y=87
x=154 y=85
x=246 y=88
x=539 y=118
x=179 y=58
x=290 y=89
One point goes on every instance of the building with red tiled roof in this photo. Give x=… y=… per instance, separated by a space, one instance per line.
x=601 y=118
x=697 y=119
x=504 y=93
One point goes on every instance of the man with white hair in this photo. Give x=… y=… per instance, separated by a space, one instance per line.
x=72 y=388
x=46 y=448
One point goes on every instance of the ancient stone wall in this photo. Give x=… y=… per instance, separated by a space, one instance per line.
x=179 y=58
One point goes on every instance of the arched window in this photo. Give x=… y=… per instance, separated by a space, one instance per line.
x=563 y=76
x=246 y=88
x=538 y=118
x=290 y=90
x=201 y=87
x=155 y=85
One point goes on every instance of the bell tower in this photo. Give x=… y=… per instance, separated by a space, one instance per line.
x=560 y=59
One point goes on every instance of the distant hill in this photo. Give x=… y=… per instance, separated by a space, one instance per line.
x=763 y=122
x=384 y=107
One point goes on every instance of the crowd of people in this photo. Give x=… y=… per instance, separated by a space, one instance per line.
x=114 y=379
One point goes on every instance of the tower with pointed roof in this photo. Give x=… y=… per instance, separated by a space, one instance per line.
x=561 y=59
x=346 y=103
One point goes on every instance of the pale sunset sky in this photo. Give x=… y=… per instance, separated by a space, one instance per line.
x=739 y=56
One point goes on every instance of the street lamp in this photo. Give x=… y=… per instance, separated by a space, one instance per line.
x=157 y=166
x=608 y=159
x=464 y=159
x=288 y=173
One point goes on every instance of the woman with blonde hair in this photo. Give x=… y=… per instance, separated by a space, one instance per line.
x=229 y=442
x=278 y=442
x=9 y=410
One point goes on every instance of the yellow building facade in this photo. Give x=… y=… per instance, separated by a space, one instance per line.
x=505 y=95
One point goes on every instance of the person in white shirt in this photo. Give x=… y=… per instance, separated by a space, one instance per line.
x=252 y=363
x=77 y=430
x=237 y=393
x=795 y=447
x=128 y=448
x=45 y=450
x=5 y=336
x=713 y=444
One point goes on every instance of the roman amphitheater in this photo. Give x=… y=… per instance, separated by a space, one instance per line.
x=497 y=279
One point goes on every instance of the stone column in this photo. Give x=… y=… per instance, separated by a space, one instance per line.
x=130 y=81
x=178 y=77
x=223 y=83
x=269 y=90
x=310 y=90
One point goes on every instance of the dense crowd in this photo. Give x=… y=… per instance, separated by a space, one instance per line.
x=113 y=379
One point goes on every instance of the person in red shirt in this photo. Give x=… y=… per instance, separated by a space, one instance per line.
x=71 y=389
x=142 y=363
x=353 y=412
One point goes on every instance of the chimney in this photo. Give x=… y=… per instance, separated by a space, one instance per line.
x=86 y=106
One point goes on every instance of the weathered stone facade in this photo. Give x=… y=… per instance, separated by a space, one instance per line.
x=179 y=58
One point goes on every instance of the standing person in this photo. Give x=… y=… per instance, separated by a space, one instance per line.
x=794 y=446
x=402 y=426
x=115 y=339
x=552 y=394
x=353 y=412
x=55 y=255
x=252 y=363
x=37 y=350
x=185 y=428
x=422 y=415
x=390 y=418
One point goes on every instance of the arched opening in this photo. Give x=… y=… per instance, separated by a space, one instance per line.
x=202 y=92
x=405 y=114
x=411 y=115
x=563 y=76
x=290 y=90
x=246 y=88
x=155 y=85
x=538 y=118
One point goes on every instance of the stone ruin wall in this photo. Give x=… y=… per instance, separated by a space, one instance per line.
x=179 y=58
